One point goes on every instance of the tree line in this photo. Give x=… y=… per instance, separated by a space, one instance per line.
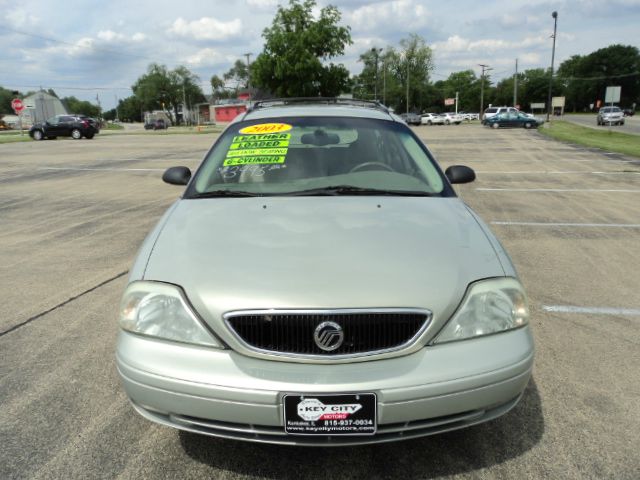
x=298 y=60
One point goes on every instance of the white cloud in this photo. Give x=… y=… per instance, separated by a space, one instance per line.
x=138 y=37
x=20 y=18
x=208 y=57
x=407 y=14
x=110 y=36
x=264 y=4
x=207 y=28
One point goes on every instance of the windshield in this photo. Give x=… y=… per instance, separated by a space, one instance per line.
x=315 y=155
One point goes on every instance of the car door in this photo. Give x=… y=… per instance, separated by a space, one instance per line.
x=65 y=125
x=51 y=126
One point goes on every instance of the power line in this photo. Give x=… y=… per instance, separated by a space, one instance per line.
x=605 y=77
x=75 y=45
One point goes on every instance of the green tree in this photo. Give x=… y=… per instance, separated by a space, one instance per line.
x=413 y=60
x=81 y=107
x=297 y=53
x=161 y=88
x=238 y=74
x=467 y=85
x=584 y=79
x=411 y=67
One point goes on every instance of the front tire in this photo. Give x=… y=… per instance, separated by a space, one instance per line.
x=38 y=135
x=76 y=134
x=495 y=125
x=527 y=125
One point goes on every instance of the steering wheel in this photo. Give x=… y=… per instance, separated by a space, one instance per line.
x=380 y=165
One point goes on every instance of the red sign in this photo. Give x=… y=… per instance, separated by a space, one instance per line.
x=449 y=101
x=17 y=105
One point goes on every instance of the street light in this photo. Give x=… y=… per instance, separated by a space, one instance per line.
x=553 y=54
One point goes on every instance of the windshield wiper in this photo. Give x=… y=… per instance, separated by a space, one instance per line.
x=226 y=193
x=352 y=190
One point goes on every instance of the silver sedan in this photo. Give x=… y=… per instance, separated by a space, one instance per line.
x=320 y=283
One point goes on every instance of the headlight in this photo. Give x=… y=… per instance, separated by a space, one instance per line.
x=489 y=306
x=160 y=310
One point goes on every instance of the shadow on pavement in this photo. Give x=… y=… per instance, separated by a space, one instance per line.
x=446 y=454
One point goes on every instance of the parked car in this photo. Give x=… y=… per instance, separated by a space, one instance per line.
x=610 y=116
x=469 y=116
x=450 y=118
x=492 y=111
x=411 y=118
x=513 y=120
x=320 y=283
x=432 y=119
x=156 y=124
x=74 y=126
x=93 y=121
x=628 y=112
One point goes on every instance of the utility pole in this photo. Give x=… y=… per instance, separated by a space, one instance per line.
x=485 y=68
x=456 y=103
x=248 y=55
x=384 y=81
x=406 y=57
x=184 y=105
x=553 y=54
x=515 y=85
x=376 y=52
x=99 y=107
x=117 y=115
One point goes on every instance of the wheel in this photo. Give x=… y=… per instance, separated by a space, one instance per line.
x=383 y=166
x=76 y=134
x=447 y=122
x=429 y=123
x=89 y=136
x=37 y=135
x=495 y=125
x=527 y=125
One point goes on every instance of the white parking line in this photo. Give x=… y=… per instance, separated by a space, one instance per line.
x=591 y=190
x=578 y=225
x=88 y=169
x=632 y=312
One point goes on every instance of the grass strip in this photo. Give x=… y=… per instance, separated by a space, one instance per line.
x=605 y=139
x=14 y=138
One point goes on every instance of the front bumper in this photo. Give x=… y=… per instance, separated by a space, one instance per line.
x=224 y=394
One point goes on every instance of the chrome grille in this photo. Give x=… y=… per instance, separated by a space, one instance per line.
x=292 y=331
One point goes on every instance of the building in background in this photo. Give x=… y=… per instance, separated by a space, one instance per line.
x=40 y=106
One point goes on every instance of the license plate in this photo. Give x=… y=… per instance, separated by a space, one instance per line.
x=343 y=414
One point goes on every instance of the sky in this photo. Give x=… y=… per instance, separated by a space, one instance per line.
x=90 y=48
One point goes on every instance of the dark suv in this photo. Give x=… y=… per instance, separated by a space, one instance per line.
x=74 y=126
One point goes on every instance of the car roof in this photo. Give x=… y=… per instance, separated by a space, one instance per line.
x=320 y=107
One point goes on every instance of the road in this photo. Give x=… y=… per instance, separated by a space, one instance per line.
x=73 y=214
x=631 y=124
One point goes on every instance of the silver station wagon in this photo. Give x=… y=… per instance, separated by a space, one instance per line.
x=320 y=283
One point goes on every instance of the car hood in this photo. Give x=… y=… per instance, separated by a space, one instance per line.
x=322 y=252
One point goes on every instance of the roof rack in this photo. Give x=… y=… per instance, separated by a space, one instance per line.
x=280 y=102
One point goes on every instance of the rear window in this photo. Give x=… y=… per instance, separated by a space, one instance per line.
x=293 y=154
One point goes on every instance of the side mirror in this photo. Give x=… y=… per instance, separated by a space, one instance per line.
x=460 y=174
x=177 y=175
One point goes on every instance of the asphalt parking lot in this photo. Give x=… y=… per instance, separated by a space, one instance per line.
x=73 y=214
